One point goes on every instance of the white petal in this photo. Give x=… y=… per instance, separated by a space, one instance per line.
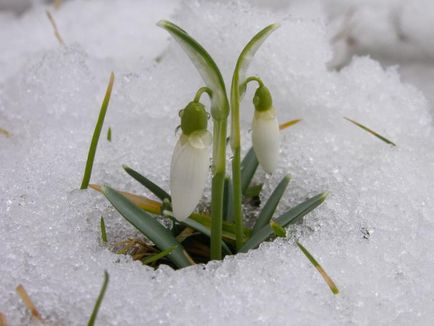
x=188 y=174
x=266 y=139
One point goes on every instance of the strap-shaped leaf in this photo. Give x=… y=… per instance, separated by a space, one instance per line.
x=152 y=187
x=228 y=200
x=270 y=206
x=249 y=165
x=147 y=224
x=289 y=217
x=206 y=67
x=98 y=301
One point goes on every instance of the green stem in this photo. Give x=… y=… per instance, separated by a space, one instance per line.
x=200 y=91
x=217 y=190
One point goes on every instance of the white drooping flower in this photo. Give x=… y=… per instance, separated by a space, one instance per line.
x=190 y=161
x=265 y=130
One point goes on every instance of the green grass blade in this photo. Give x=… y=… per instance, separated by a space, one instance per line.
x=321 y=270
x=289 y=217
x=206 y=67
x=249 y=166
x=372 y=132
x=98 y=302
x=279 y=231
x=152 y=187
x=148 y=225
x=205 y=230
x=228 y=200
x=270 y=206
x=254 y=191
x=158 y=256
x=103 y=230
x=96 y=134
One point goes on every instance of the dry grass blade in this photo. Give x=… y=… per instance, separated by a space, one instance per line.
x=5 y=132
x=56 y=31
x=319 y=268
x=57 y=4
x=3 y=321
x=372 y=132
x=28 y=302
x=288 y=124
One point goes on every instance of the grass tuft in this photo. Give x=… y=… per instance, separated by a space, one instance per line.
x=28 y=302
x=96 y=134
x=323 y=273
x=98 y=302
x=372 y=132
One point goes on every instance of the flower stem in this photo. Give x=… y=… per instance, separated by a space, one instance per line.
x=200 y=91
x=217 y=190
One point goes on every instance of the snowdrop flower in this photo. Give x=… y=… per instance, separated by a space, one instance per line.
x=265 y=130
x=190 y=161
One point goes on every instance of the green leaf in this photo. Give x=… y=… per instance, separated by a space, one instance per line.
x=321 y=270
x=228 y=200
x=103 y=230
x=372 y=132
x=249 y=166
x=289 y=217
x=152 y=187
x=148 y=225
x=109 y=134
x=254 y=191
x=278 y=230
x=206 y=67
x=247 y=55
x=270 y=206
x=205 y=230
x=96 y=134
x=158 y=256
x=98 y=302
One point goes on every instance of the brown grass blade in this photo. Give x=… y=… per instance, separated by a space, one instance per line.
x=28 y=302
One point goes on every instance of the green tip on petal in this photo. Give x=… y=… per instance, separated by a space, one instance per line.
x=262 y=99
x=194 y=118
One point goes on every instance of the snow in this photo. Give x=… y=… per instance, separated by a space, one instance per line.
x=373 y=235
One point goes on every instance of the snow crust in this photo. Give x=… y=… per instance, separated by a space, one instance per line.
x=373 y=235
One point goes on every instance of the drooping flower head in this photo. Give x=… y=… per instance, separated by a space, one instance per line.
x=265 y=130
x=190 y=160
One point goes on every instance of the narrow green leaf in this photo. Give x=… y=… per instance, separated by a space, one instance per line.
x=321 y=270
x=254 y=191
x=109 y=134
x=96 y=134
x=372 y=132
x=147 y=224
x=103 y=230
x=270 y=206
x=206 y=67
x=249 y=166
x=228 y=228
x=158 y=256
x=278 y=230
x=205 y=230
x=289 y=217
x=98 y=302
x=228 y=200
x=152 y=187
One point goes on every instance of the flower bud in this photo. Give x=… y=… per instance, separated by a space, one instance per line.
x=190 y=161
x=265 y=130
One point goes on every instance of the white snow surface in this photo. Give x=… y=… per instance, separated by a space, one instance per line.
x=373 y=235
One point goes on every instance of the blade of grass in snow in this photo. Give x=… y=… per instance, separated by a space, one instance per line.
x=148 y=225
x=155 y=189
x=228 y=200
x=372 y=132
x=98 y=302
x=158 y=256
x=109 y=134
x=288 y=124
x=267 y=211
x=289 y=217
x=5 y=132
x=279 y=231
x=254 y=191
x=96 y=134
x=321 y=270
x=249 y=166
x=103 y=230
x=28 y=302
x=56 y=31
